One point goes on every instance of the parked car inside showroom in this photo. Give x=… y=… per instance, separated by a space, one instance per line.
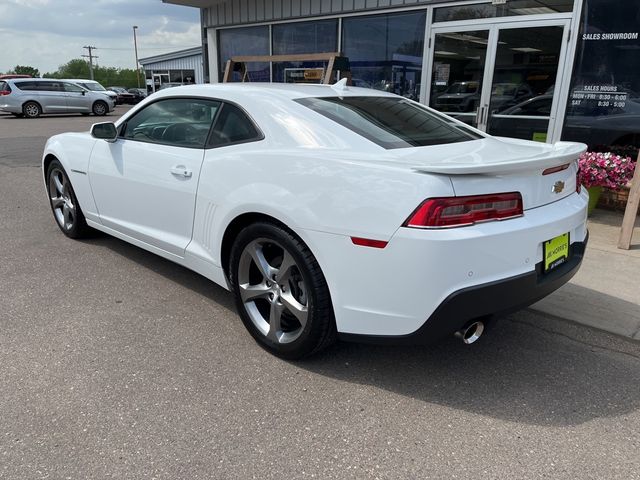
x=32 y=97
x=329 y=211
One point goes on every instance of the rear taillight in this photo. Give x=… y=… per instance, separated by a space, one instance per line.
x=4 y=92
x=463 y=211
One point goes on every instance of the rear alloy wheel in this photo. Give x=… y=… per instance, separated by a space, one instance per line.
x=64 y=203
x=100 y=109
x=281 y=293
x=31 y=110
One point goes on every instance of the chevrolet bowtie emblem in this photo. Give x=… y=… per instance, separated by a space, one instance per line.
x=558 y=187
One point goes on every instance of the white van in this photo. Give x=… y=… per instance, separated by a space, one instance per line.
x=32 y=97
x=94 y=87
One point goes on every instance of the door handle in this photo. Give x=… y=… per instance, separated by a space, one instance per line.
x=181 y=171
x=479 y=116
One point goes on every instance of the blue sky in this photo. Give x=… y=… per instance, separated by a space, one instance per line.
x=48 y=33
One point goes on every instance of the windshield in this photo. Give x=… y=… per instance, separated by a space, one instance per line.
x=390 y=122
x=95 y=87
x=507 y=89
x=470 y=87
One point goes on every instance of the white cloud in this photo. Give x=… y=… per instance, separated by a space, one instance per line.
x=46 y=34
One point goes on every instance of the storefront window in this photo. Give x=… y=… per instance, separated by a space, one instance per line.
x=385 y=51
x=245 y=41
x=185 y=77
x=603 y=109
x=507 y=9
x=303 y=37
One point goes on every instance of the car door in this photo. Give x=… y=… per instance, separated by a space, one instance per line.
x=144 y=184
x=51 y=96
x=77 y=98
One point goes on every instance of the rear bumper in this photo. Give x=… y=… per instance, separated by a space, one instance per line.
x=10 y=108
x=490 y=299
x=396 y=290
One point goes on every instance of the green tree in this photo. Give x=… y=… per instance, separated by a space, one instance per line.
x=76 y=68
x=26 y=70
x=107 y=76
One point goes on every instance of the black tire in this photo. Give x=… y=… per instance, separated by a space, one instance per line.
x=72 y=222
x=319 y=330
x=100 y=108
x=31 y=110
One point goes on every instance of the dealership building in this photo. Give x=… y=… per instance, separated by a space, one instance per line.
x=182 y=67
x=544 y=70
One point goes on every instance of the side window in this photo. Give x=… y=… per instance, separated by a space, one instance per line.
x=233 y=126
x=26 y=86
x=70 y=87
x=181 y=122
x=48 y=86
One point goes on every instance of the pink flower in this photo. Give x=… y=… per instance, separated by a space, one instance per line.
x=605 y=170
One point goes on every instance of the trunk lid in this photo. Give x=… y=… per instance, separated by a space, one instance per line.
x=496 y=165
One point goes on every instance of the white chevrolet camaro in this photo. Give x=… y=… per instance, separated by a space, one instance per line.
x=329 y=211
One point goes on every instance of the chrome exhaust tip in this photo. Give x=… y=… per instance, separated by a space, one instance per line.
x=471 y=332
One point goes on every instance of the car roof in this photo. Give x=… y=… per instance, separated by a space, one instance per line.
x=282 y=90
x=19 y=81
x=85 y=80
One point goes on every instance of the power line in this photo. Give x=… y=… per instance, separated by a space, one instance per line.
x=91 y=56
x=150 y=48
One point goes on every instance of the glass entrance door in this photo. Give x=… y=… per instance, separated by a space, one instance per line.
x=501 y=79
x=524 y=77
x=159 y=79
x=458 y=71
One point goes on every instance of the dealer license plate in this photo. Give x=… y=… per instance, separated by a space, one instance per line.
x=556 y=251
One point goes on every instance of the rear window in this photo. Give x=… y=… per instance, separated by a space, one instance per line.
x=389 y=121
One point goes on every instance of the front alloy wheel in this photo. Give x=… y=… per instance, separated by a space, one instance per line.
x=64 y=203
x=281 y=294
x=100 y=109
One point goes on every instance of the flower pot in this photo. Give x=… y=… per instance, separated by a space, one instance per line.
x=594 y=196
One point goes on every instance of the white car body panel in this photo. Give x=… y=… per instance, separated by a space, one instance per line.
x=327 y=184
x=138 y=195
x=393 y=291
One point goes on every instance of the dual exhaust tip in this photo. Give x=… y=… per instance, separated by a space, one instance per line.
x=471 y=332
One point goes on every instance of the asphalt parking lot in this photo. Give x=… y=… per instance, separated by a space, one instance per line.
x=115 y=363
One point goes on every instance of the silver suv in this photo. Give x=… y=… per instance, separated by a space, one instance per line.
x=31 y=97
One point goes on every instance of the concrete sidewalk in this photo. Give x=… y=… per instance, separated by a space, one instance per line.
x=605 y=293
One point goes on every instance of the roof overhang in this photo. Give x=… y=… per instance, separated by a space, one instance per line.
x=163 y=57
x=194 y=3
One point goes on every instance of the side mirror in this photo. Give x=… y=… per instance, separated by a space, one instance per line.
x=104 y=131
x=83 y=93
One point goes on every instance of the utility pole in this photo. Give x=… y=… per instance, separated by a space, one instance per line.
x=135 y=45
x=91 y=56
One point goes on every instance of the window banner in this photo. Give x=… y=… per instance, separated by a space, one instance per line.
x=603 y=109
